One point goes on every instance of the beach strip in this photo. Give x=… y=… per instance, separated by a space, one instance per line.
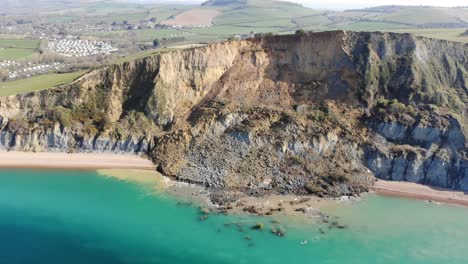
x=83 y=161
x=421 y=192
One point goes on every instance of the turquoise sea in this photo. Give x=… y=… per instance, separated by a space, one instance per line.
x=82 y=217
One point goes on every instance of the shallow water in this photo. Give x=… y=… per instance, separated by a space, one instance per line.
x=81 y=217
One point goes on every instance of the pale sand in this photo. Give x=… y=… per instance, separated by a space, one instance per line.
x=296 y=209
x=88 y=161
x=153 y=178
x=160 y=184
x=422 y=192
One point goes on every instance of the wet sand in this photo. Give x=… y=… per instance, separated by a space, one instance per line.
x=84 y=161
x=421 y=192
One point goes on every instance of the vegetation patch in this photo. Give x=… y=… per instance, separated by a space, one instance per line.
x=393 y=110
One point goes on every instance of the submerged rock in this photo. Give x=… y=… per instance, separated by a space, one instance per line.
x=278 y=231
x=258 y=226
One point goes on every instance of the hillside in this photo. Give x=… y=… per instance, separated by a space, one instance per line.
x=286 y=15
x=408 y=16
x=320 y=113
x=242 y=17
x=217 y=20
x=23 y=6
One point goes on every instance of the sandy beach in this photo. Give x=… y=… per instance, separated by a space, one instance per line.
x=88 y=161
x=94 y=161
x=422 y=192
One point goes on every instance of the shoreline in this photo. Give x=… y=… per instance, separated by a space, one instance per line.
x=79 y=161
x=421 y=192
x=106 y=161
x=293 y=208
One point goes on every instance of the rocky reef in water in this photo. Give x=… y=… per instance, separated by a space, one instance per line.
x=320 y=113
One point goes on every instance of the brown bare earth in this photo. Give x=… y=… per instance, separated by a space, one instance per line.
x=422 y=192
x=193 y=18
x=89 y=161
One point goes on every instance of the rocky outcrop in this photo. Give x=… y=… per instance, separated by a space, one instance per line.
x=59 y=139
x=421 y=153
x=319 y=113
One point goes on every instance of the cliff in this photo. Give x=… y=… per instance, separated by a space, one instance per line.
x=320 y=113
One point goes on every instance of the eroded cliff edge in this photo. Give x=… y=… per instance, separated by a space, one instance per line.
x=320 y=113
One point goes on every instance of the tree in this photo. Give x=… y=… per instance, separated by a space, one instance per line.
x=153 y=20
x=43 y=46
x=3 y=75
x=125 y=22
x=155 y=43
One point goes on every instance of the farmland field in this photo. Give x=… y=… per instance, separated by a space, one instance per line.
x=371 y=26
x=13 y=49
x=194 y=17
x=446 y=34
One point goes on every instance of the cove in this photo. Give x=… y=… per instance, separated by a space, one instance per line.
x=59 y=216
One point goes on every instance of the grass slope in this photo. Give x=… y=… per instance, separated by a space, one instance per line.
x=37 y=83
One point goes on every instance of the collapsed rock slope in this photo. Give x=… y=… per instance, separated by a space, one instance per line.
x=321 y=113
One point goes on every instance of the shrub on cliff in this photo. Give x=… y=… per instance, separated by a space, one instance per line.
x=62 y=115
x=392 y=110
x=313 y=187
x=18 y=124
x=300 y=32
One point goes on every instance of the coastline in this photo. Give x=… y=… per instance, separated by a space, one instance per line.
x=118 y=162
x=420 y=192
x=295 y=208
x=80 y=161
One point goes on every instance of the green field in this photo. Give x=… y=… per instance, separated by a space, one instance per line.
x=14 y=54
x=371 y=26
x=37 y=83
x=20 y=43
x=13 y=49
x=446 y=34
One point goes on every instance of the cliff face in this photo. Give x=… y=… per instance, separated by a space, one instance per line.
x=319 y=113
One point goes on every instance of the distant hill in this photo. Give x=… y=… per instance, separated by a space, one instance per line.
x=34 y=6
x=224 y=2
x=411 y=16
x=222 y=19
x=282 y=14
x=260 y=15
x=273 y=16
